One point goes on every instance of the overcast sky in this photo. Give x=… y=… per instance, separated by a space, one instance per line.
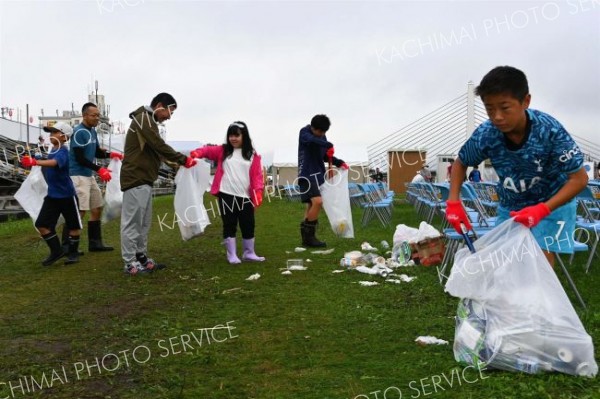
x=373 y=67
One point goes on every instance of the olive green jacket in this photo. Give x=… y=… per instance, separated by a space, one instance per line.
x=144 y=151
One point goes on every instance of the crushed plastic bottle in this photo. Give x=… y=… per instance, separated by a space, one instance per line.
x=384 y=244
x=401 y=253
x=528 y=365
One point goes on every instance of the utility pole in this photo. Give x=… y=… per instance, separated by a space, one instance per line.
x=27 y=121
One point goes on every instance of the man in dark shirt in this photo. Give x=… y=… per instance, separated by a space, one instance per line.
x=83 y=150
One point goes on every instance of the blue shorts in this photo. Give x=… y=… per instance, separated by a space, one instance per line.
x=555 y=232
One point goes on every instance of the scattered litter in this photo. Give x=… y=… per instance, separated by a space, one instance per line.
x=288 y=252
x=353 y=259
x=338 y=271
x=294 y=262
x=430 y=340
x=255 y=276
x=365 y=246
x=378 y=269
x=286 y=272
x=308 y=260
x=296 y=267
x=323 y=251
x=402 y=277
x=367 y=270
x=393 y=280
x=384 y=244
x=368 y=283
x=229 y=291
x=299 y=249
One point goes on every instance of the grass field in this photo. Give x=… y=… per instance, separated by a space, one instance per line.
x=94 y=332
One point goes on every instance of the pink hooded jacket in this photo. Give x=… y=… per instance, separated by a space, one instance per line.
x=257 y=185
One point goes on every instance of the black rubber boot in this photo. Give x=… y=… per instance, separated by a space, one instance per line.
x=65 y=241
x=308 y=230
x=73 y=254
x=95 y=238
x=303 y=232
x=56 y=251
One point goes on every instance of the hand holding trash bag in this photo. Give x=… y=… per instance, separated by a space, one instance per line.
x=344 y=166
x=104 y=174
x=116 y=155
x=189 y=162
x=530 y=216
x=28 y=162
x=330 y=152
x=455 y=214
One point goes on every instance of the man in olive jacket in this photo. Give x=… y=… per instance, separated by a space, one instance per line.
x=144 y=152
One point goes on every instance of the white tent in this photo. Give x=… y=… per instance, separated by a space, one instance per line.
x=285 y=164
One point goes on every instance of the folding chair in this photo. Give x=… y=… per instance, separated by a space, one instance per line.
x=588 y=200
x=356 y=195
x=486 y=193
x=375 y=207
x=467 y=194
x=291 y=192
x=593 y=231
x=578 y=247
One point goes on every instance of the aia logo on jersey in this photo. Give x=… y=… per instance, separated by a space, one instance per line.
x=567 y=155
x=510 y=184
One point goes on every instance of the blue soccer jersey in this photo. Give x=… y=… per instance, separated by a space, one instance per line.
x=60 y=184
x=534 y=172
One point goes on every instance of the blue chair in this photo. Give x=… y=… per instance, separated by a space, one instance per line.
x=578 y=247
x=375 y=207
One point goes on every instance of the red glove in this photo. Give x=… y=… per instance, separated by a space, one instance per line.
x=116 y=155
x=104 y=174
x=455 y=214
x=258 y=198
x=189 y=162
x=531 y=215
x=344 y=166
x=330 y=152
x=28 y=162
x=196 y=153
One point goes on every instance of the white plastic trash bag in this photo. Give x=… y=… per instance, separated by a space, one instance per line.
x=405 y=233
x=113 y=197
x=191 y=215
x=427 y=231
x=336 y=202
x=514 y=314
x=32 y=192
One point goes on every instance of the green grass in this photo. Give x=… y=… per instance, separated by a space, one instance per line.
x=313 y=334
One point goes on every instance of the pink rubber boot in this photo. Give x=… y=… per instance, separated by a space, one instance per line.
x=249 y=251
x=232 y=257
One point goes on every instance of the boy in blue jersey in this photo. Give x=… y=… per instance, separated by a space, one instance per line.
x=537 y=161
x=61 y=198
x=313 y=151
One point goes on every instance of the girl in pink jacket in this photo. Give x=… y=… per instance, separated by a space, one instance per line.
x=239 y=185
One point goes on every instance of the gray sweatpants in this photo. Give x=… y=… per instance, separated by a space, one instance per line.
x=136 y=217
